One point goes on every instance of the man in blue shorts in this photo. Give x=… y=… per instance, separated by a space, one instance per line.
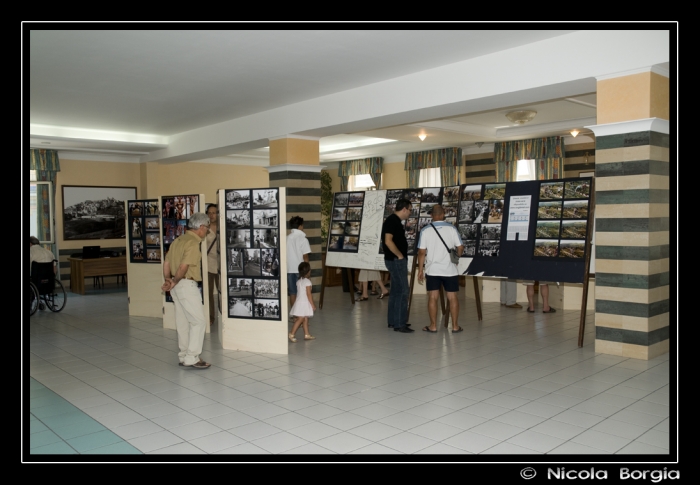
x=439 y=268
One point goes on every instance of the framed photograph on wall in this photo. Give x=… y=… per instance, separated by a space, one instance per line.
x=91 y=212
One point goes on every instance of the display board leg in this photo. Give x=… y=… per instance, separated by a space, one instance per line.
x=350 y=272
x=444 y=307
x=323 y=283
x=477 y=297
x=410 y=287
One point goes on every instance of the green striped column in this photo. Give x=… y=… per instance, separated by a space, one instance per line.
x=632 y=238
x=303 y=187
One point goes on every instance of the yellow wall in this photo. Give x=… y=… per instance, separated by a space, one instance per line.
x=633 y=97
x=394 y=176
x=152 y=180
x=294 y=150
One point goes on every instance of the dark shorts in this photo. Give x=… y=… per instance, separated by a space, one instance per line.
x=451 y=283
x=292 y=283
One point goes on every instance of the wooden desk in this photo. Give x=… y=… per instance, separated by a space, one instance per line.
x=86 y=268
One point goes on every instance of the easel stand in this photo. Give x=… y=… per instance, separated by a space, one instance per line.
x=587 y=271
x=349 y=273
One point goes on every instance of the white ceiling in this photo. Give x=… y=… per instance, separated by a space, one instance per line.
x=129 y=92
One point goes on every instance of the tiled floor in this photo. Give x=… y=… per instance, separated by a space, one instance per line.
x=514 y=383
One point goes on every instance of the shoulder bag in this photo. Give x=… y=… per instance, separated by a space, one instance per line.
x=454 y=256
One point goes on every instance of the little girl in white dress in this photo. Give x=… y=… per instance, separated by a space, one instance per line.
x=303 y=307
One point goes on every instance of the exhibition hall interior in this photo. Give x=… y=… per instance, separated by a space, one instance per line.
x=551 y=151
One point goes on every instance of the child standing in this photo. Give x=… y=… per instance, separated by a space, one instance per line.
x=303 y=307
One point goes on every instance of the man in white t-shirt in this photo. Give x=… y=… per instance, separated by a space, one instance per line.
x=39 y=254
x=298 y=250
x=438 y=266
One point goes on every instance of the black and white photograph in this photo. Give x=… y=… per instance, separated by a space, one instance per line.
x=491 y=231
x=356 y=198
x=415 y=210
x=495 y=191
x=251 y=265
x=240 y=307
x=266 y=308
x=575 y=209
x=351 y=243
x=549 y=210
x=336 y=243
x=352 y=228
x=411 y=227
x=573 y=229
x=577 y=189
x=341 y=199
x=413 y=195
x=354 y=213
x=238 y=238
x=265 y=198
x=481 y=211
x=466 y=211
x=240 y=287
x=153 y=255
x=468 y=231
x=469 y=247
x=238 y=199
x=546 y=248
x=265 y=238
x=426 y=209
x=91 y=212
x=422 y=222
x=264 y=219
x=451 y=220
x=237 y=219
x=389 y=209
x=547 y=229
x=235 y=261
x=489 y=248
x=450 y=194
x=270 y=262
x=572 y=249
x=137 y=250
x=266 y=288
x=471 y=192
x=551 y=190
x=152 y=223
x=339 y=213
x=337 y=227
x=495 y=211
x=431 y=195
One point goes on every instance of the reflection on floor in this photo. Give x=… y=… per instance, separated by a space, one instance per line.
x=513 y=383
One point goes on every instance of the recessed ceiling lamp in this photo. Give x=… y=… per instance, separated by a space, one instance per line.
x=421 y=136
x=520 y=117
x=574 y=132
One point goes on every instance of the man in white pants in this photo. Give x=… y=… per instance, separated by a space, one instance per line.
x=509 y=294
x=182 y=271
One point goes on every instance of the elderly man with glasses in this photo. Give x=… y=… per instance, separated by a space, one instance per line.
x=182 y=271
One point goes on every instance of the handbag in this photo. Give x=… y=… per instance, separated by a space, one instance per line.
x=454 y=256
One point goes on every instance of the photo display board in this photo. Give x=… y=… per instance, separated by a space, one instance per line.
x=144 y=230
x=346 y=217
x=546 y=227
x=177 y=209
x=533 y=230
x=252 y=253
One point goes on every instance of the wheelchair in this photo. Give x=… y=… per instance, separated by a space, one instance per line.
x=46 y=291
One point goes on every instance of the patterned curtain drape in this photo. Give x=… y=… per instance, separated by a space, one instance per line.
x=449 y=160
x=46 y=164
x=548 y=154
x=373 y=166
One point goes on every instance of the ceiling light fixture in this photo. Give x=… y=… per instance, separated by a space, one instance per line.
x=521 y=117
x=574 y=132
x=421 y=136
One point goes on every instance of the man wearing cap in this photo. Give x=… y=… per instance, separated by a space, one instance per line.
x=181 y=271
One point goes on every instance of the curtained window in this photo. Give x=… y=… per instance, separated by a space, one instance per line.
x=448 y=160
x=548 y=154
x=45 y=165
x=372 y=166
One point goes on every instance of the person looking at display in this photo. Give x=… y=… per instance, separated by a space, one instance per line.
x=213 y=258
